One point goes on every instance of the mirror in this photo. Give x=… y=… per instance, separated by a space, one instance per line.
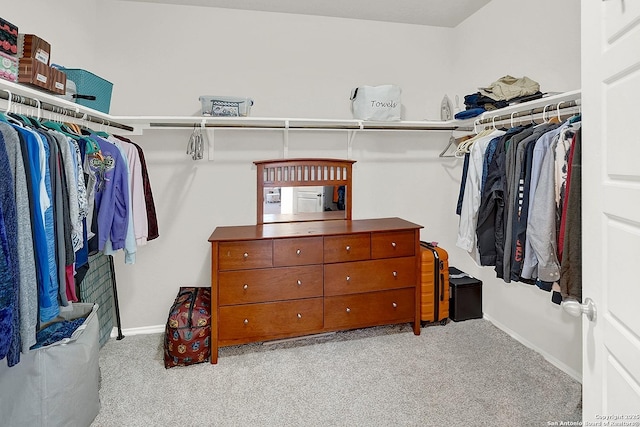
x=294 y=190
x=291 y=204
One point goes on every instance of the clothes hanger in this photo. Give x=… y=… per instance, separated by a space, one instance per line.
x=554 y=119
x=102 y=133
x=92 y=146
x=58 y=125
x=86 y=130
x=6 y=114
x=545 y=119
x=36 y=120
x=74 y=127
x=18 y=114
x=3 y=117
x=465 y=146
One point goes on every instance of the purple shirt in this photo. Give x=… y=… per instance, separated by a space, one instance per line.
x=111 y=194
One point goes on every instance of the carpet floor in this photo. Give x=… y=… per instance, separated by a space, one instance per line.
x=460 y=374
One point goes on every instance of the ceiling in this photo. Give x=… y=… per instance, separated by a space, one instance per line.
x=440 y=13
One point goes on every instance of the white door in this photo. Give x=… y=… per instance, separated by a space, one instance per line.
x=308 y=199
x=611 y=210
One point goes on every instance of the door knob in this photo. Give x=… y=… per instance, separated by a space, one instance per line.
x=575 y=309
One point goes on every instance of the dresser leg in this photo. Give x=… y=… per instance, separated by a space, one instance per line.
x=214 y=355
x=416 y=327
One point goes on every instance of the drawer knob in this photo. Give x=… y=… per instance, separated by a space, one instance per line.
x=299 y=315
x=298 y=252
x=394 y=305
x=246 y=321
x=245 y=287
x=299 y=282
x=393 y=245
x=245 y=255
x=348 y=278
x=395 y=274
x=348 y=310
x=348 y=248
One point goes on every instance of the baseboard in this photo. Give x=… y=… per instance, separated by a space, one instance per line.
x=157 y=329
x=554 y=361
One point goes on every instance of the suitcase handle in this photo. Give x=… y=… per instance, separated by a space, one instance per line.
x=441 y=286
x=194 y=296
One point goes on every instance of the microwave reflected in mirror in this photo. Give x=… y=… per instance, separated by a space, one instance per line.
x=284 y=204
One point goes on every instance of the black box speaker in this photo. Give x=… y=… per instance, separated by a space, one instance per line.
x=465 y=296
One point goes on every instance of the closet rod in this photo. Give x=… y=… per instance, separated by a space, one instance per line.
x=308 y=126
x=35 y=103
x=547 y=109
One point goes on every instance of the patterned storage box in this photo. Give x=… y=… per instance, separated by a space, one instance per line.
x=8 y=67
x=34 y=73
x=92 y=91
x=225 y=106
x=8 y=37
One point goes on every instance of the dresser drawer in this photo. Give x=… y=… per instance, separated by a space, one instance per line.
x=373 y=275
x=393 y=244
x=298 y=251
x=352 y=247
x=374 y=308
x=264 y=321
x=272 y=284
x=245 y=254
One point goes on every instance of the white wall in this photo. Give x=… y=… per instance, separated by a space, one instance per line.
x=162 y=57
x=291 y=65
x=542 y=41
x=69 y=26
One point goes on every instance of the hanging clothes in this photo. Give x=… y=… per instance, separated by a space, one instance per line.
x=48 y=201
x=571 y=267
x=489 y=228
x=28 y=285
x=9 y=268
x=111 y=195
x=150 y=209
x=467 y=239
x=520 y=180
x=520 y=200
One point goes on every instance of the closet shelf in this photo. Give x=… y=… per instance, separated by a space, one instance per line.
x=169 y=122
x=547 y=103
x=47 y=103
x=139 y=124
x=553 y=102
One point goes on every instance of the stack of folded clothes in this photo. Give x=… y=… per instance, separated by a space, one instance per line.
x=499 y=94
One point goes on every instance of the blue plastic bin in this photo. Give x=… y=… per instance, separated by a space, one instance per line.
x=90 y=85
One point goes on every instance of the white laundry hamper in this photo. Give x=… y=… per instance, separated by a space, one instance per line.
x=56 y=385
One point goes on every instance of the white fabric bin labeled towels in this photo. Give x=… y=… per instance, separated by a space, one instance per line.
x=377 y=103
x=55 y=385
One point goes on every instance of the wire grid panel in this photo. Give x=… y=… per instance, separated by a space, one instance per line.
x=97 y=287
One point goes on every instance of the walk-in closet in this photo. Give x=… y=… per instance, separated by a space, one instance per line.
x=299 y=64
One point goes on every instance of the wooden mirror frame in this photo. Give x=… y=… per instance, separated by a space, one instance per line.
x=305 y=173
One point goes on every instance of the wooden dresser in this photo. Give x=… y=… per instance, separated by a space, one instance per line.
x=282 y=280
